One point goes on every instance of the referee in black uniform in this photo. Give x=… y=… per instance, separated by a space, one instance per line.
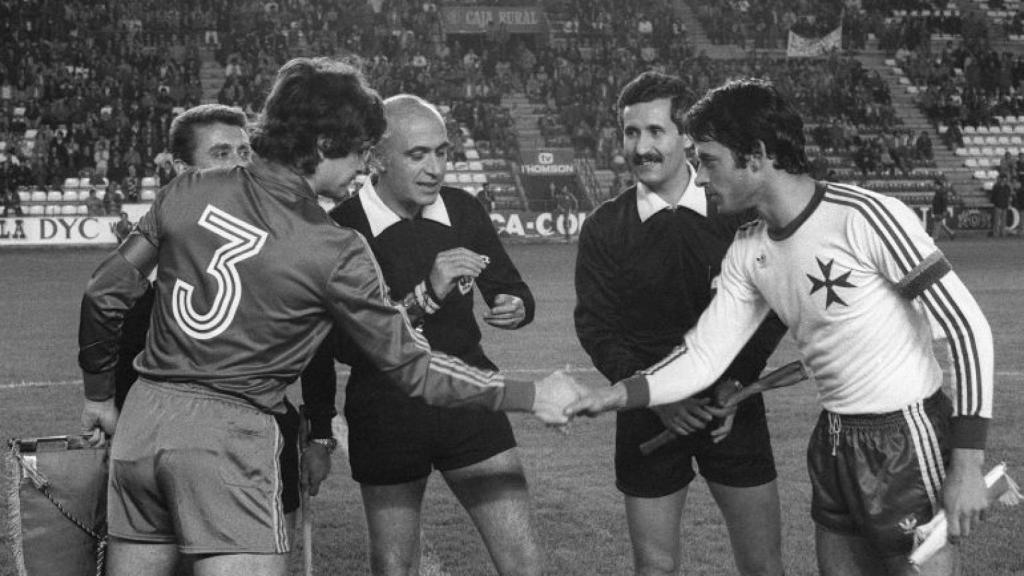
x=434 y=244
x=645 y=271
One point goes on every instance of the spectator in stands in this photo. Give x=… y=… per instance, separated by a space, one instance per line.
x=940 y=209
x=94 y=205
x=1001 y=194
x=923 y=146
x=1008 y=166
x=566 y=206
x=165 y=171
x=113 y=199
x=123 y=227
x=486 y=197
x=12 y=203
x=131 y=185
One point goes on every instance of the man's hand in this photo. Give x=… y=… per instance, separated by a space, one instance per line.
x=553 y=394
x=964 y=495
x=316 y=465
x=508 y=312
x=99 y=419
x=451 y=265
x=594 y=401
x=685 y=416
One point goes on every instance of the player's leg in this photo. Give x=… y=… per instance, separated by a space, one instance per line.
x=495 y=495
x=754 y=522
x=140 y=528
x=845 y=554
x=130 y=558
x=654 y=486
x=654 y=530
x=393 y=525
x=740 y=471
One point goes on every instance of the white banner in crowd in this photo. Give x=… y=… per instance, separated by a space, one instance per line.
x=801 y=47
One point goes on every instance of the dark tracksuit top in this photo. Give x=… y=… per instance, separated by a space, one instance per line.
x=252 y=274
x=405 y=249
x=641 y=285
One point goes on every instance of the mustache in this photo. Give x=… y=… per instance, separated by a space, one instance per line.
x=638 y=159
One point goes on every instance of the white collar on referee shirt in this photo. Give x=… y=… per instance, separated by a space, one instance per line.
x=648 y=203
x=382 y=217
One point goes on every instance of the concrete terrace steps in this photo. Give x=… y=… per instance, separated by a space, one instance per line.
x=903 y=102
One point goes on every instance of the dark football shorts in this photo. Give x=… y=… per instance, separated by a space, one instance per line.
x=743 y=460
x=289 y=423
x=879 y=476
x=394 y=439
x=196 y=468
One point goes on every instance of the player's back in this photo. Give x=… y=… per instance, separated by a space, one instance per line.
x=244 y=257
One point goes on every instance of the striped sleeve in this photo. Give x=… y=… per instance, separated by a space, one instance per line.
x=358 y=300
x=733 y=316
x=896 y=243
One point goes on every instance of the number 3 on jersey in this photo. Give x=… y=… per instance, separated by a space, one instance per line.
x=243 y=242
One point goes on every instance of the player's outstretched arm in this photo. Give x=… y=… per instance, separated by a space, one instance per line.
x=113 y=289
x=598 y=400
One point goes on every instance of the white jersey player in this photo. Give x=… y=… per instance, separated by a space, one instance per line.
x=855 y=277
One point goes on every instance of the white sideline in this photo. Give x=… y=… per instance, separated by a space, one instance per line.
x=344 y=372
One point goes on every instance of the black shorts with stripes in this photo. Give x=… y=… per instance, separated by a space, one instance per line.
x=879 y=476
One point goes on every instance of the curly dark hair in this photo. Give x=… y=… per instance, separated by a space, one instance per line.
x=318 y=108
x=741 y=114
x=182 y=135
x=650 y=86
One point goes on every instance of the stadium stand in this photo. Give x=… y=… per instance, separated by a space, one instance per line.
x=89 y=88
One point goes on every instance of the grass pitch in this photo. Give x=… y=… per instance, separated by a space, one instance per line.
x=578 y=512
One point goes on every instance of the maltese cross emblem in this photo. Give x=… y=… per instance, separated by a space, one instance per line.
x=829 y=283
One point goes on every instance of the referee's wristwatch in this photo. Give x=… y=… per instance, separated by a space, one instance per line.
x=329 y=444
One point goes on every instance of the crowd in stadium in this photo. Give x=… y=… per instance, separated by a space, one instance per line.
x=90 y=92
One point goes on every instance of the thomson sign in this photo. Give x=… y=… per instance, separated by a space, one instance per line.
x=549 y=162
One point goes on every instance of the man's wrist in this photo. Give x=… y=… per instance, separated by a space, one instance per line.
x=328 y=444
x=99 y=386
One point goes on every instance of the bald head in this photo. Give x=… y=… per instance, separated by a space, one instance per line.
x=410 y=159
x=403 y=110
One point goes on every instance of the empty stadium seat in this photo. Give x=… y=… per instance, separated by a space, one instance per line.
x=24 y=196
x=149 y=182
x=35 y=210
x=971 y=163
x=70 y=184
x=148 y=194
x=54 y=196
x=472 y=154
x=51 y=210
x=451 y=178
x=39 y=196
x=67 y=210
x=82 y=210
x=476 y=166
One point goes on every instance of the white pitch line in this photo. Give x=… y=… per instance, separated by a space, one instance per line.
x=344 y=372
